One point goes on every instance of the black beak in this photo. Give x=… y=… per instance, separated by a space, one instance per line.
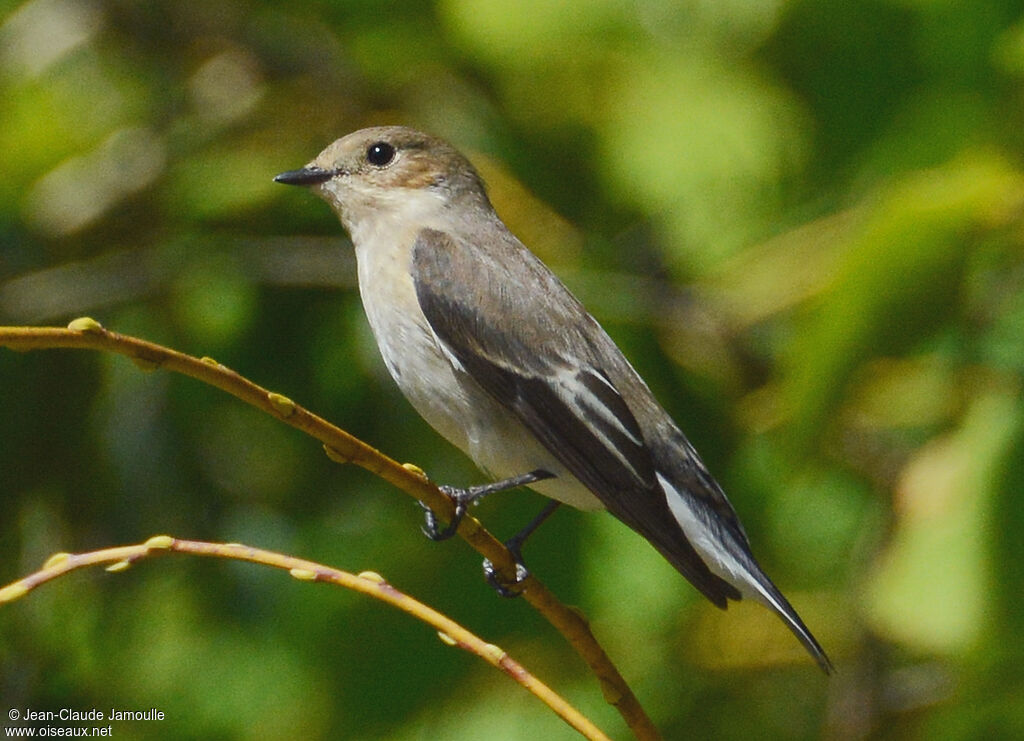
x=305 y=176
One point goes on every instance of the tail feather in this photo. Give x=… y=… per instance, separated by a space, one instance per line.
x=726 y=554
x=769 y=595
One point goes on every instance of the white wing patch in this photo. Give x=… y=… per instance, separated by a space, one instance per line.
x=717 y=547
x=602 y=421
x=594 y=404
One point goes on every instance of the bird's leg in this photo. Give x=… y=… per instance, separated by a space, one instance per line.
x=515 y=547
x=464 y=497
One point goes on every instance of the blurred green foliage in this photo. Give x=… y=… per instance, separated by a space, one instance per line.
x=802 y=221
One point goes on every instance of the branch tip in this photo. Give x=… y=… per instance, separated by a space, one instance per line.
x=85 y=324
x=282 y=404
x=495 y=653
x=335 y=456
x=416 y=470
x=56 y=560
x=162 y=542
x=611 y=692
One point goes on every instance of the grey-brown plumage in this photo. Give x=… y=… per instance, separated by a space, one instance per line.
x=500 y=358
x=517 y=351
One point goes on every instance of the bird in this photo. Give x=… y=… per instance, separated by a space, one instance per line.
x=500 y=358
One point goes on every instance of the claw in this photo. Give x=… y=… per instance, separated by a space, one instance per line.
x=515 y=547
x=464 y=497
x=504 y=589
x=430 y=527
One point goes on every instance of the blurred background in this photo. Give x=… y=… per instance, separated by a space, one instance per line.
x=802 y=220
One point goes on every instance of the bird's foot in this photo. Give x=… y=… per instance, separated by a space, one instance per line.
x=462 y=498
x=514 y=545
x=506 y=589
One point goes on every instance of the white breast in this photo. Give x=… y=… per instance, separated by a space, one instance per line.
x=444 y=395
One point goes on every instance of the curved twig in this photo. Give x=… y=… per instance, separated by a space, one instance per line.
x=340 y=446
x=368 y=583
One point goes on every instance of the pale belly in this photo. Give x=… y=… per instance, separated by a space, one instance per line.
x=448 y=399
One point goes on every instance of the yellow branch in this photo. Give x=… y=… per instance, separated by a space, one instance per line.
x=340 y=446
x=368 y=583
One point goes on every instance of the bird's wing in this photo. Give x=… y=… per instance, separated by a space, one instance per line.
x=512 y=326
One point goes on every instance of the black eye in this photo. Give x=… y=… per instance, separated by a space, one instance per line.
x=380 y=154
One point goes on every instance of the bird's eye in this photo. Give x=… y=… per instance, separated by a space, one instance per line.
x=380 y=154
